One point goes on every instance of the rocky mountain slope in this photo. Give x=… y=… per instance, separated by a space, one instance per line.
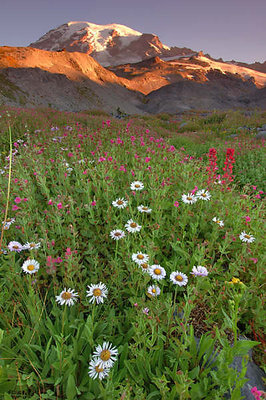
x=66 y=81
x=152 y=74
x=74 y=81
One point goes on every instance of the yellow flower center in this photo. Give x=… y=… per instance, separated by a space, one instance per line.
x=30 y=267
x=133 y=225
x=137 y=185
x=66 y=295
x=189 y=198
x=153 y=291
x=140 y=256
x=179 y=278
x=157 y=271
x=144 y=266
x=145 y=208
x=105 y=355
x=203 y=194
x=247 y=236
x=97 y=292
x=117 y=234
x=98 y=369
x=32 y=245
x=15 y=247
x=120 y=202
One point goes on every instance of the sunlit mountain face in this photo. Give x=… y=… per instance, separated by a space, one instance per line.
x=81 y=65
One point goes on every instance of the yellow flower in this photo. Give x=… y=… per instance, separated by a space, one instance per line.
x=235 y=281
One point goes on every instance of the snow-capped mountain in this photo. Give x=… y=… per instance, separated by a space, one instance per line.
x=111 y=44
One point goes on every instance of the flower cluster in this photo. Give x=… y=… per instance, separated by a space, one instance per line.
x=103 y=359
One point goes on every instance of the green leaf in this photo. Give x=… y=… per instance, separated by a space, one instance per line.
x=243 y=346
x=1 y=335
x=194 y=373
x=228 y=319
x=71 y=388
x=155 y=394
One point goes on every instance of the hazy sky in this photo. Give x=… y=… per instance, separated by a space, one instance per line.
x=231 y=29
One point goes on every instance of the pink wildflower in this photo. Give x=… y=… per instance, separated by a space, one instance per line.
x=17 y=200
x=59 y=206
x=176 y=204
x=93 y=203
x=256 y=393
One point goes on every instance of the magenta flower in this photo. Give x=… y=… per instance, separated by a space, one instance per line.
x=256 y=393
x=59 y=206
x=176 y=204
x=17 y=200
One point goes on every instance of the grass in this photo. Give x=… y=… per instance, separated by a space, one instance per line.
x=67 y=171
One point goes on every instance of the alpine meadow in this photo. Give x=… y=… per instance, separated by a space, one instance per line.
x=132 y=253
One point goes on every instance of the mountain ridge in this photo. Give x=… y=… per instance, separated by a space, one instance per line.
x=74 y=81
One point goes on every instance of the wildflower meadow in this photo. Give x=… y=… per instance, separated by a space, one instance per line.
x=132 y=255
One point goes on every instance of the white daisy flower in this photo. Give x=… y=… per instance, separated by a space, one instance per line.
x=107 y=354
x=145 y=267
x=218 y=221
x=97 y=293
x=132 y=226
x=31 y=246
x=120 y=203
x=244 y=237
x=15 y=246
x=6 y=226
x=178 y=278
x=117 y=234
x=199 y=271
x=140 y=258
x=189 y=198
x=9 y=221
x=97 y=371
x=30 y=266
x=67 y=297
x=144 y=209
x=203 y=195
x=137 y=185
x=157 y=272
x=154 y=290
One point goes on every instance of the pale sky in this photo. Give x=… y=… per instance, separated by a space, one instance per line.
x=231 y=29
